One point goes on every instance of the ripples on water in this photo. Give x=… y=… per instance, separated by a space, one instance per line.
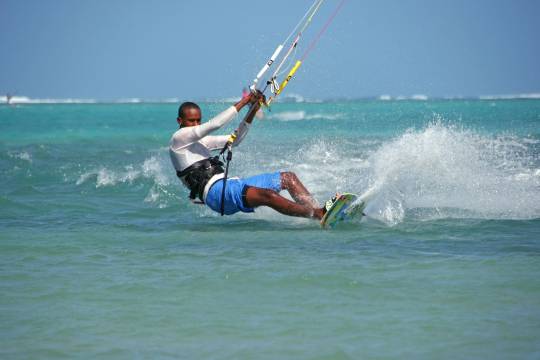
x=103 y=255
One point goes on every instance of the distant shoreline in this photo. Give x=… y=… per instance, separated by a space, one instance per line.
x=24 y=100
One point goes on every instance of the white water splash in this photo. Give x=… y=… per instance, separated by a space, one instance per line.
x=446 y=168
x=302 y=115
x=152 y=168
x=22 y=155
x=155 y=168
x=437 y=172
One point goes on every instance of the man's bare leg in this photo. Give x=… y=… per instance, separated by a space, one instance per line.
x=264 y=197
x=291 y=183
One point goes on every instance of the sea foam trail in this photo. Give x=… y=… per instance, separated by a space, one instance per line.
x=451 y=172
x=154 y=171
x=437 y=172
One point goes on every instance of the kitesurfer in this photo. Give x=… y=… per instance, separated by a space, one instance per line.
x=190 y=151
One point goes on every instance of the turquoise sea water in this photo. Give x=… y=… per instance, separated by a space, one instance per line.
x=102 y=255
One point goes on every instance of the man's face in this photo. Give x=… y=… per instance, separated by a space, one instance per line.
x=192 y=117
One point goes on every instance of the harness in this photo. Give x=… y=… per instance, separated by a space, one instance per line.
x=196 y=175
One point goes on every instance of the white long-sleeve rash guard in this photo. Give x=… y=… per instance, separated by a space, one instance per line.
x=191 y=144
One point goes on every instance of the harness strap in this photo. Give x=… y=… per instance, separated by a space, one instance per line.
x=196 y=176
x=229 y=158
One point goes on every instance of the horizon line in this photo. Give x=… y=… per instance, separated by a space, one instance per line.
x=291 y=98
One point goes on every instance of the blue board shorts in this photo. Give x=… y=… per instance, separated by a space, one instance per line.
x=235 y=191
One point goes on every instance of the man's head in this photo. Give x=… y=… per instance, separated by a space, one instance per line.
x=189 y=114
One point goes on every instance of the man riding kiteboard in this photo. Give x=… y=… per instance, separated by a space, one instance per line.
x=203 y=174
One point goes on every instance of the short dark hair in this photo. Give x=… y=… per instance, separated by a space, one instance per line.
x=187 y=105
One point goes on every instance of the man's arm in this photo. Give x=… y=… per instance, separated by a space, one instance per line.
x=217 y=142
x=191 y=134
x=245 y=100
x=254 y=108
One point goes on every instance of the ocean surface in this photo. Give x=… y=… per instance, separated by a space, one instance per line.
x=103 y=256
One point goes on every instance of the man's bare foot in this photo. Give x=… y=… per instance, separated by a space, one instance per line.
x=319 y=213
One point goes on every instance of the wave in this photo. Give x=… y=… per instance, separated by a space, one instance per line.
x=135 y=100
x=152 y=168
x=21 y=155
x=27 y=100
x=417 y=97
x=155 y=171
x=128 y=101
x=420 y=97
x=302 y=115
x=287 y=98
x=439 y=171
x=445 y=168
x=290 y=98
x=510 y=97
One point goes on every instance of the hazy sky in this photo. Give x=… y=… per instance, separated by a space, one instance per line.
x=108 y=49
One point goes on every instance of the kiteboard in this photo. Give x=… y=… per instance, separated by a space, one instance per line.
x=347 y=207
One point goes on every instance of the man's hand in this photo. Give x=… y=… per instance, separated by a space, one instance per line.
x=257 y=97
x=256 y=100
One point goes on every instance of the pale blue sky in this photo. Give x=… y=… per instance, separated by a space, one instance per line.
x=211 y=49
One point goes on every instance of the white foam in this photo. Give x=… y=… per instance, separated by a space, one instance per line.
x=106 y=177
x=292 y=97
x=129 y=101
x=26 y=100
x=288 y=115
x=152 y=168
x=84 y=177
x=439 y=171
x=23 y=155
x=152 y=196
x=302 y=115
x=416 y=97
x=154 y=172
x=155 y=169
x=510 y=96
x=443 y=167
